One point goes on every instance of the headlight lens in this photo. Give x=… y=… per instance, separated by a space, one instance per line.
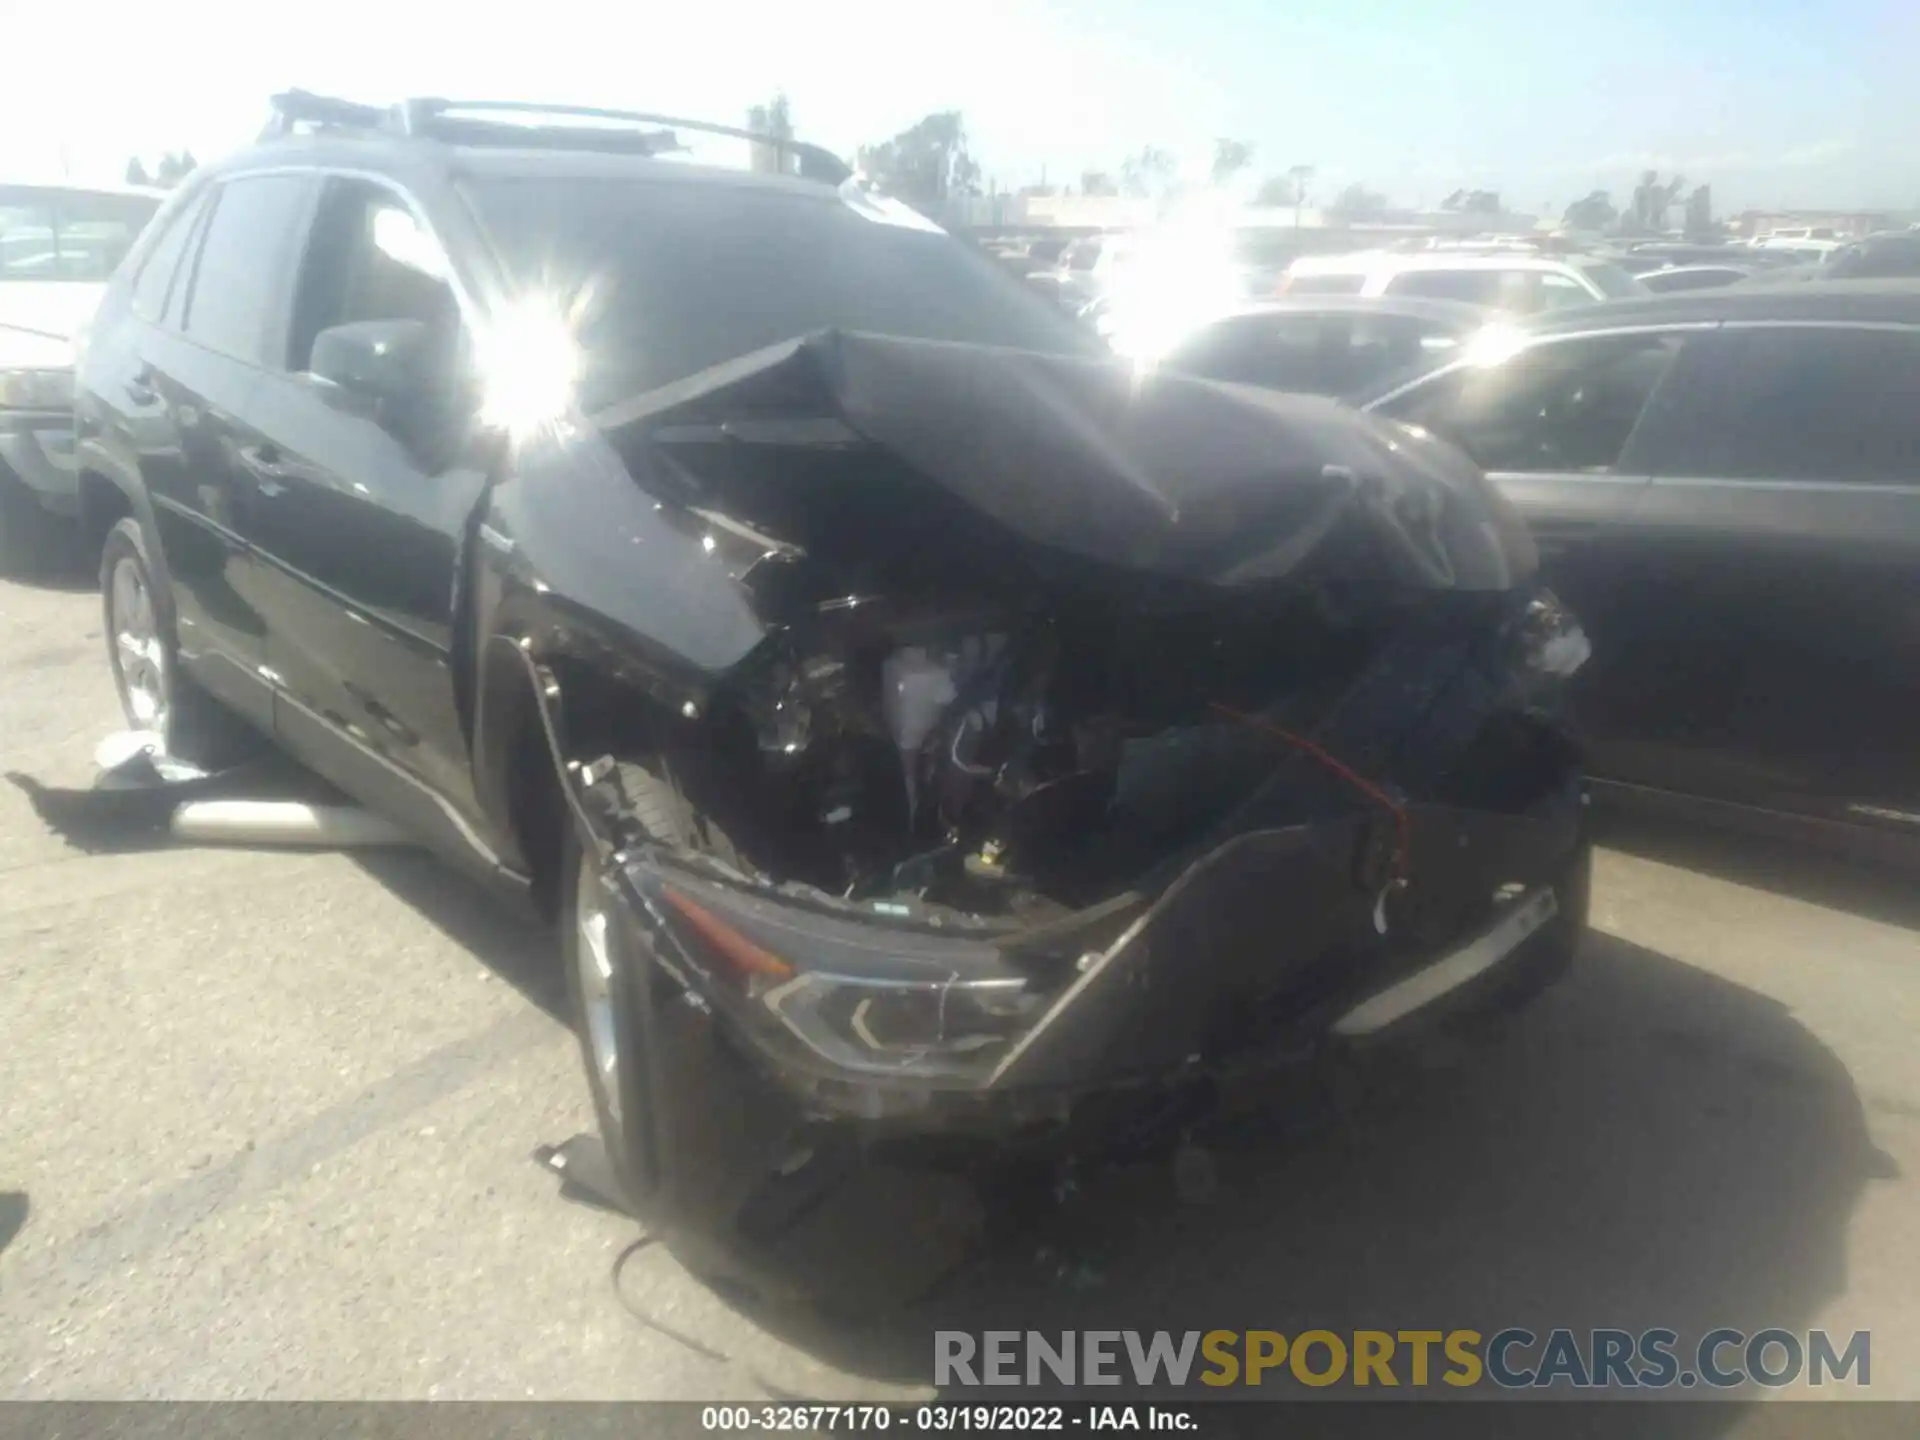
x=949 y=1030
x=36 y=389
x=876 y=1003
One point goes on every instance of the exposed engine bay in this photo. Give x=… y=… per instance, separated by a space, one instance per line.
x=1008 y=764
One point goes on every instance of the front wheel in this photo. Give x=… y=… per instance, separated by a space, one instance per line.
x=156 y=696
x=600 y=980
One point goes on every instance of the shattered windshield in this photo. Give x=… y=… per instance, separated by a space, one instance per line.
x=662 y=279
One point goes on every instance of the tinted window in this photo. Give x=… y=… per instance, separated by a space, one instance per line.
x=1804 y=404
x=155 y=280
x=1569 y=405
x=1281 y=352
x=1326 y=284
x=241 y=279
x=368 y=259
x=678 y=274
x=1477 y=287
x=76 y=235
x=1555 y=291
x=1879 y=257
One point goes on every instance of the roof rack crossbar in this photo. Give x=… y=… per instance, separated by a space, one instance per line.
x=434 y=117
x=465 y=122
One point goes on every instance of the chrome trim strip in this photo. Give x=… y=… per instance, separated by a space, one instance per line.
x=1822 y=487
x=1450 y=972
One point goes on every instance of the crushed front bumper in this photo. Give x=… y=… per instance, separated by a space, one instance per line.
x=1270 y=950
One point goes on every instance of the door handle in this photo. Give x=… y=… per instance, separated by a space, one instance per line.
x=140 y=388
x=267 y=467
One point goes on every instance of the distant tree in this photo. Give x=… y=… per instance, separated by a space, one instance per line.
x=1230 y=157
x=137 y=172
x=1699 y=220
x=926 y=165
x=174 y=167
x=776 y=119
x=1592 y=212
x=1356 y=202
x=1651 y=201
x=1150 y=173
x=1098 y=182
x=1276 y=190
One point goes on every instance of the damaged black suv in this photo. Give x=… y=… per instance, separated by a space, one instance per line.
x=919 y=724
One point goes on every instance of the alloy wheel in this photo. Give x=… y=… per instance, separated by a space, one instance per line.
x=140 y=659
x=593 y=958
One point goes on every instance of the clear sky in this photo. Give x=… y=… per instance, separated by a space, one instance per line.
x=1773 y=102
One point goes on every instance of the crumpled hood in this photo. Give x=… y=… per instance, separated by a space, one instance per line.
x=1159 y=473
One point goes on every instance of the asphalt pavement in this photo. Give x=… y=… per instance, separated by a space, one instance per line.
x=266 y=1125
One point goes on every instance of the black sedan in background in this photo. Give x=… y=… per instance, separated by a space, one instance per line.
x=1326 y=345
x=1725 y=486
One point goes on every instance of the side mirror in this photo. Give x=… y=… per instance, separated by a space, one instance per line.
x=379 y=366
x=404 y=375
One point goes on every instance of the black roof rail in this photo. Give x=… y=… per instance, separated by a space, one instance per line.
x=492 y=122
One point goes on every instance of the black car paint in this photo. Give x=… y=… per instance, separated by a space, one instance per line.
x=1753 y=638
x=417 y=629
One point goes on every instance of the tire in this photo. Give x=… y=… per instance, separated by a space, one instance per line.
x=604 y=977
x=155 y=693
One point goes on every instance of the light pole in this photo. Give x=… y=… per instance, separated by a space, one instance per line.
x=1299 y=175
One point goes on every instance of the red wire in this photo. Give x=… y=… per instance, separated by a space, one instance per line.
x=1359 y=782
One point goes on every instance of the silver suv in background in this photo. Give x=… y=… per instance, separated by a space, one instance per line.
x=59 y=245
x=1515 y=281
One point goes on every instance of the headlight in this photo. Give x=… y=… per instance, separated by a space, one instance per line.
x=876 y=1003
x=36 y=389
x=946 y=1029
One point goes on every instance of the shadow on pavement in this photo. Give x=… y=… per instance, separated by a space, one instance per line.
x=517 y=948
x=1647 y=1146
x=13 y=1215
x=1875 y=889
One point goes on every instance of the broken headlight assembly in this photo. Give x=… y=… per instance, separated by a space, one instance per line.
x=873 y=1001
x=928 y=1030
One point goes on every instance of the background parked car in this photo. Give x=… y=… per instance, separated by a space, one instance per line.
x=1697 y=277
x=59 y=244
x=1890 y=255
x=1726 y=487
x=1326 y=345
x=1512 y=280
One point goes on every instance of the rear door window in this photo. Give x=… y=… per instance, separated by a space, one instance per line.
x=156 y=278
x=1563 y=406
x=243 y=276
x=1802 y=403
